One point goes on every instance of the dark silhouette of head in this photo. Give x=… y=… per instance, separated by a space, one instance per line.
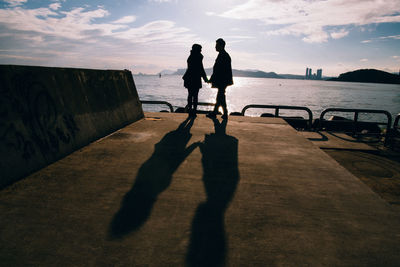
x=220 y=45
x=196 y=48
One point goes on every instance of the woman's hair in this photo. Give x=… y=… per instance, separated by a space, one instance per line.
x=196 y=48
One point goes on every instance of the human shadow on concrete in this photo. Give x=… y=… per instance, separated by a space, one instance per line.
x=208 y=245
x=153 y=177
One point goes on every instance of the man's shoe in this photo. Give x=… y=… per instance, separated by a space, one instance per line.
x=225 y=116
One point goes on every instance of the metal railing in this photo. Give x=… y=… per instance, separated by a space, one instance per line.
x=205 y=104
x=395 y=132
x=185 y=109
x=280 y=107
x=155 y=102
x=355 y=124
x=295 y=121
x=357 y=112
x=396 y=122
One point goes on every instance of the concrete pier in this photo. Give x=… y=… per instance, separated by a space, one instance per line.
x=47 y=113
x=165 y=191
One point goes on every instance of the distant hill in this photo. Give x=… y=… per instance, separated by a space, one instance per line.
x=255 y=74
x=368 y=76
x=167 y=72
x=179 y=72
x=240 y=73
x=292 y=76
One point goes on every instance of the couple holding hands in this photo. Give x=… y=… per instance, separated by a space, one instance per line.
x=220 y=78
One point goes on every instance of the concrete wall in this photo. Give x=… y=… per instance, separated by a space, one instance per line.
x=47 y=113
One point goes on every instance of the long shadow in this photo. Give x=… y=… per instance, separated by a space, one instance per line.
x=322 y=139
x=208 y=245
x=153 y=177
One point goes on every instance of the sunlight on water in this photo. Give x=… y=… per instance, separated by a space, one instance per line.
x=316 y=95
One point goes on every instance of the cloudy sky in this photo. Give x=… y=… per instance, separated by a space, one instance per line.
x=148 y=36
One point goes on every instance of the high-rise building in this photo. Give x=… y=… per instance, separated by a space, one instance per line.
x=319 y=74
x=315 y=76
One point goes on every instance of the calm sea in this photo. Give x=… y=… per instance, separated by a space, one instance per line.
x=316 y=95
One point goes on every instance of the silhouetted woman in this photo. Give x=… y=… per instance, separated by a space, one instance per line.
x=192 y=78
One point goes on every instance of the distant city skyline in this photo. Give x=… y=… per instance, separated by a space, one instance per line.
x=313 y=76
x=149 y=36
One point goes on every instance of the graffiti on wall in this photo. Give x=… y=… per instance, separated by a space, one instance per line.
x=30 y=120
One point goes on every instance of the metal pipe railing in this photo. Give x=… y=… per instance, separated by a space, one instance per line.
x=278 y=108
x=156 y=102
x=202 y=104
x=395 y=132
x=205 y=104
x=186 y=109
x=357 y=111
x=355 y=120
x=396 y=122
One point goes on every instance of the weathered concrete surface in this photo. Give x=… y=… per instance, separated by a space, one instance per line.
x=373 y=164
x=335 y=140
x=154 y=194
x=379 y=172
x=46 y=113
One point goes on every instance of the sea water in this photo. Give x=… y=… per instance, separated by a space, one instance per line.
x=315 y=95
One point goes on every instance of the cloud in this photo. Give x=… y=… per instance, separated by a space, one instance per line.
x=83 y=37
x=14 y=3
x=364 y=60
x=340 y=34
x=395 y=37
x=382 y=38
x=126 y=19
x=55 y=6
x=312 y=19
x=74 y=24
x=21 y=57
x=160 y=31
x=232 y=39
x=162 y=1
x=80 y=24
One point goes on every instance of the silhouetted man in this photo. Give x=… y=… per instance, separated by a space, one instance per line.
x=221 y=77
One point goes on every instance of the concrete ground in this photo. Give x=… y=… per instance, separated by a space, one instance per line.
x=165 y=191
x=371 y=162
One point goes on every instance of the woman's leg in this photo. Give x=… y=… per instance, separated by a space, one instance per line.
x=195 y=99
x=190 y=99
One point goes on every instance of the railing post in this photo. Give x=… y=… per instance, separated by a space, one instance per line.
x=355 y=123
x=156 y=102
x=357 y=111
x=277 y=109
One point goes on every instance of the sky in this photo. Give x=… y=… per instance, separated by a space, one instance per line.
x=148 y=36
